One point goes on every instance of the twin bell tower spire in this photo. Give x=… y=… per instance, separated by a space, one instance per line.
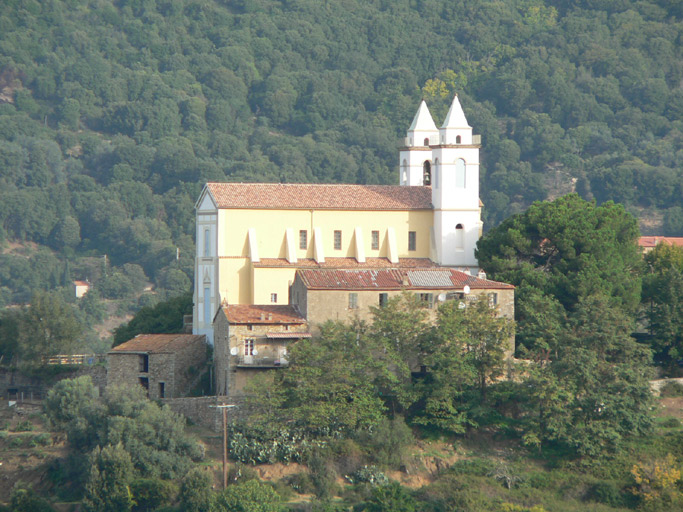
x=447 y=160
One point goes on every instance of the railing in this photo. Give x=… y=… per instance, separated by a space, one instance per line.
x=261 y=362
x=74 y=359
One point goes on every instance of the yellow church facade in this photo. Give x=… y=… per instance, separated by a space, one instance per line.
x=253 y=237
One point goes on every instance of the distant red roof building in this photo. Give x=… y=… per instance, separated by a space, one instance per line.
x=647 y=243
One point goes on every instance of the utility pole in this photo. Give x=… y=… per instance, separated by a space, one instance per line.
x=224 y=408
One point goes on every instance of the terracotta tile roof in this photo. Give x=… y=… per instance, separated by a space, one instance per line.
x=295 y=196
x=288 y=335
x=394 y=279
x=333 y=263
x=156 y=343
x=266 y=314
x=651 y=241
x=81 y=283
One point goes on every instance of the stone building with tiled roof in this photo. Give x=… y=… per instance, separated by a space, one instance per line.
x=250 y=340
x=253 y=237
x=345 y=294
x=161 y=363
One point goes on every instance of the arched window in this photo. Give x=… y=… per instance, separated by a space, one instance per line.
x=460 y=173
x=426 y=141
x=426 y=173
x=459 y=237
x=436 y=173
x=457 y=139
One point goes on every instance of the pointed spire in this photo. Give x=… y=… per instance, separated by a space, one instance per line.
x=455 y=117
x=423 y=120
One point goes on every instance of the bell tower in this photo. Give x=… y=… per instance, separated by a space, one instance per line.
x=455 y=191
x=416 y=167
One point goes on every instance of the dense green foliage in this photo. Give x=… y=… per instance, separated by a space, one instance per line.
x=558 y=253
x=164 y=317
x=152 y=436
x=663 y=300
x=113 y=113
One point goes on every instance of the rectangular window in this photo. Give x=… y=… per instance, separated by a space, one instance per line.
x=207 y=243
x=207 y=305
x=412 y=240
x=162 y=390
x=144 y=363
x=375 y=240
x=337 y=240
x=493 y=299
x=303 y=239
x=249 y=346
x=250 y=327
x=383 y=299
x=273 y=298
x=427 y=299
x=353 y=300
x=144 y=382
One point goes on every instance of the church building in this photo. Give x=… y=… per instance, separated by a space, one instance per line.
x=252 y=238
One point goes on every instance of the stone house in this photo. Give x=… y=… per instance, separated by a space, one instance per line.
x=250 y=340
x=347 y=294
x=161 y=363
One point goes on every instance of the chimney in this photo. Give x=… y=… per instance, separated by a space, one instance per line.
x=263 y=316
x=270 y=316
x=481 y=274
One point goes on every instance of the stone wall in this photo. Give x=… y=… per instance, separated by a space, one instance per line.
x=203 y=411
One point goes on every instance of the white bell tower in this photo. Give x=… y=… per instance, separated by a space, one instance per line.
x=415 y=157
x=455 y=191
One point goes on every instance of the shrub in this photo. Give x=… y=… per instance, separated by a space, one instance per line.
x=670 y=423
x=671 y=389
x=368 y=474
x=151 y=493
x=24 y=426
x=608 y=493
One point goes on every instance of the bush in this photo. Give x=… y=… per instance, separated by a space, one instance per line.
x=670 y=423
x=671 y=389
x=608 y=493
x=151 y=493
x=368 y=474
x=24 y=426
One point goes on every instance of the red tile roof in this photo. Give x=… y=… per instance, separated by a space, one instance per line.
x=266 y=314
x=288 y=335
x=651 y=241
x=296 y=196
x=394 y=279
x=81 y=283
x=157 y=343
x=331 y=263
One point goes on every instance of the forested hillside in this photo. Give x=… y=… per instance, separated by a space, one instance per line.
x=114 y=113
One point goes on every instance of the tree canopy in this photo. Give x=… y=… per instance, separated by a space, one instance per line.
x=113 y=114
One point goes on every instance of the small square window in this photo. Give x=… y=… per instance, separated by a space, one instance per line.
x=412 y=240
x=427 y=299
x=337 y=240
x=303 y=239
x=273 y=298
x=250 y=327
x=353 y=300
x=375 y=240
